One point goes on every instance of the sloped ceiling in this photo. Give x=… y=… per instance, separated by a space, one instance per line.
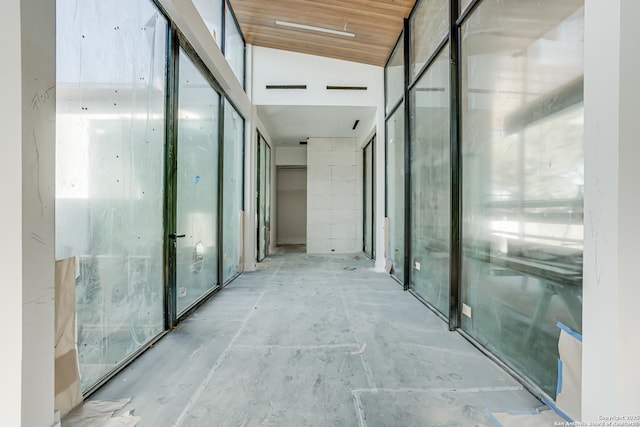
x=376 y=25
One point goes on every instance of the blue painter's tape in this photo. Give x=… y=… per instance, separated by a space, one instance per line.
x=559 y=388
x=569 y=331
x=493 y=418
x=557 y=410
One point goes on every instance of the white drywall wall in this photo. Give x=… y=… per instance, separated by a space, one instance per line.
x=11 y=215
x=292 y=206
x=334 y=220
x=279 y=67
x=611 y=251
x=38 y=198
x=27 y=81
x=291 y=156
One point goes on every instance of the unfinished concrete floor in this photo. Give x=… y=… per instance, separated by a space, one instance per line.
x=315 y=341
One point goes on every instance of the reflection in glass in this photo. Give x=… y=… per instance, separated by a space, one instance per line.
x=109 y=174
x=211 y=13
x=233 y=44
x=429 y=25
x=368 y=200
x=197 y=204
x=264 y=195
x=431 y=184
x=394 y=76
x=523 y=178
x=395 y=191
x=267 y=201
x=232 y=192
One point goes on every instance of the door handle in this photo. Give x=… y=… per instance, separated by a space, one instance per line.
x=175 y=236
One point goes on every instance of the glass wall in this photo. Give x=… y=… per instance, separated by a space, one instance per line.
x=523 y=178
x=395 y=191
x=211 y=13
x=267 y=201
x=197 y=187
x=521 y=170
x=394 y=76
x=369 y=200
x=429 y=25
x=264 y=198
x=431 y=184
x=233 y=44
x=109 y=179
x=232 y=196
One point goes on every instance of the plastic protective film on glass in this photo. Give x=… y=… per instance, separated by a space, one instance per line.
x=431 y=184
x=109 y=176
x=394 y=76
x=523 y=178
x=232 y=192
x=234 y=46
x=395 y=191
x=429 y=26
x=197 y=204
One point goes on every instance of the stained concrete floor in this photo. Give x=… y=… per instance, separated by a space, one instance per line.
x=315 y=341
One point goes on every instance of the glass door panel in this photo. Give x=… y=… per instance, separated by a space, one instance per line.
x=232 y=198
x=261 y=197
x=267 y=199
x=197 y=187
x=396 y=192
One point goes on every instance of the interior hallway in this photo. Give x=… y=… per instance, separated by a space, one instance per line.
x=315 y=340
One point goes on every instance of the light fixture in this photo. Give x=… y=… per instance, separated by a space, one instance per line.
x=319 y=29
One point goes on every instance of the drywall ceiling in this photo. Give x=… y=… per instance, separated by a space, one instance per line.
x=288 y=125
x=376 y=25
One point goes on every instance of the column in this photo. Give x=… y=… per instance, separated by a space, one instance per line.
x=27 y=111
x=612 y=204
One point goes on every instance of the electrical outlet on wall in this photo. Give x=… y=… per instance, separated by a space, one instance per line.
x=417 y=265
x=466 y=310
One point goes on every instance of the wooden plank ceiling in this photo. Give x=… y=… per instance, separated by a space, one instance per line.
x=375 y=23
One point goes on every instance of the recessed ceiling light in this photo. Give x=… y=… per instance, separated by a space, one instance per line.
x=319 y=29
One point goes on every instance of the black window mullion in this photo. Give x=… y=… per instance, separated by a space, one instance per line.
x=221 y=115
x=170 y=184
x=407 y=157
x=456 y=170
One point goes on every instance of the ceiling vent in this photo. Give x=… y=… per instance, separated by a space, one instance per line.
x=346 y=88
x=286 y=86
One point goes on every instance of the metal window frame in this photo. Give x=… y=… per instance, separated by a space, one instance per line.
x=412 y=87
x=224 y=100
x=370 y=145
x=181 y=44
x=259 y=194
x=226 y=4
x=457 y=17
